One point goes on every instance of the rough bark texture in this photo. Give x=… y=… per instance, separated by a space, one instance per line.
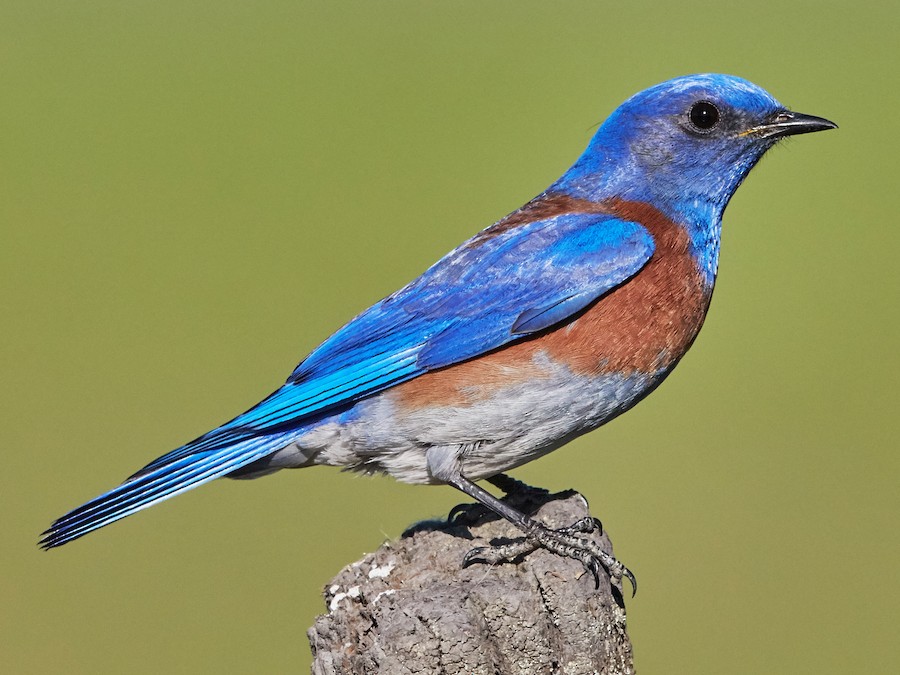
x=409 y=607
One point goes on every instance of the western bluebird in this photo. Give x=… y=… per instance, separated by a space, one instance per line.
x=538 y=329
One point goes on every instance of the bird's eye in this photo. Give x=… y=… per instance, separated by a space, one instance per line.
x=704 y=115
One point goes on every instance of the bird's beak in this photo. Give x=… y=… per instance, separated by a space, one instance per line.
x=787 y=123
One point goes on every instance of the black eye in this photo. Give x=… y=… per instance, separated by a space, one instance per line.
x=704 y=115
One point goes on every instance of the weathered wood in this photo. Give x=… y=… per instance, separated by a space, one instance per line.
x=409 y=607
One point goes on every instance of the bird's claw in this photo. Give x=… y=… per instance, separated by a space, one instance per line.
x=495 y=555
x=594 y=568
x=586 y=525
x=564 y=542
x=474 y=556
x=465 y=514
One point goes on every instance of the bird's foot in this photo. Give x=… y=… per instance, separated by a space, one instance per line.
x=564 y=542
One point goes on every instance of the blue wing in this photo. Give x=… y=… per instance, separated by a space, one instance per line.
x=497 y=288
x=489 y=292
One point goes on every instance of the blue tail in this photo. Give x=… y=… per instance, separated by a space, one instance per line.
x=147 y=488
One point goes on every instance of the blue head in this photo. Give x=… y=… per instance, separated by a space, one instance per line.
x=685 y=146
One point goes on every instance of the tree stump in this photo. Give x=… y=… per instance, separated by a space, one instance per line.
x=410 y=607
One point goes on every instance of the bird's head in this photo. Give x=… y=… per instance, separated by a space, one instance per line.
x=688 y=141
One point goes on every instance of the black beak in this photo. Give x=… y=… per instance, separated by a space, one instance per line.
x=787 y=123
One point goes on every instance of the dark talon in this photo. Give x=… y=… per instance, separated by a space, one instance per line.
x=475 y=555
x=465 y=514
x=594 y=568
x=585 y=526
x=631 y=578
x=457 y=510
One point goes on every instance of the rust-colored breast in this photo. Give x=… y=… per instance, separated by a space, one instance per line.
x=643 y=326
x=649 y=322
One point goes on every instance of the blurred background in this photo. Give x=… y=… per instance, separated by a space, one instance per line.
x=194 y=194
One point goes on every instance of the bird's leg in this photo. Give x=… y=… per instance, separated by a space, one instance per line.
x=564 y=541
x=515 y=492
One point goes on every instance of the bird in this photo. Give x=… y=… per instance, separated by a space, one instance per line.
x=540 y=328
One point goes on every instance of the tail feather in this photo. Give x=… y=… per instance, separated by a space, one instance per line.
x=147 y=489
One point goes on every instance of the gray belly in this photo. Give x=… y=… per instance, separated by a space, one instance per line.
x=497 y=433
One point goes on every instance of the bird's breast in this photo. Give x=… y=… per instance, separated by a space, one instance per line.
x=641 y=327
x=646 y=324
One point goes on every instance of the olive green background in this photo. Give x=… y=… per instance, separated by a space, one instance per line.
x=194 y=194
